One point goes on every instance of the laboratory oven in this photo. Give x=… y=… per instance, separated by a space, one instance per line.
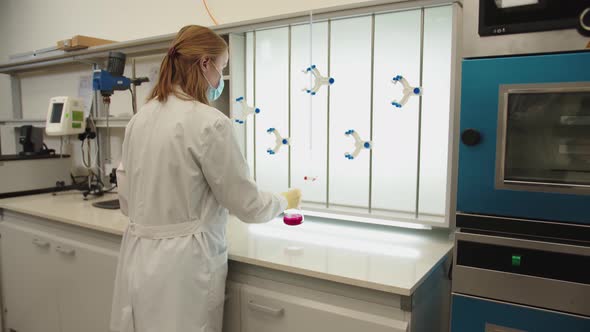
x=525 y=137
x=522 y=251
x=522 y=246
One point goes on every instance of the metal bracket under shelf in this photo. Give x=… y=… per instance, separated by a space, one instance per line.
x=22 y=122
x=114 y=122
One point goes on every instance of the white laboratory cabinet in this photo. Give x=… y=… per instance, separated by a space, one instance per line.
x=28 y=277
x=268 y=311
x=55 y=279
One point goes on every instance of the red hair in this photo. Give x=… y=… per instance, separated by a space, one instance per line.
x=181 y=66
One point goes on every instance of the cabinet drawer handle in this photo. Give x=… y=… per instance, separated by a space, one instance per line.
x=40 y=243
x=265 y=309
x=65 y=251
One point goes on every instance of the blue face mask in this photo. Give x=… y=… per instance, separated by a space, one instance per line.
x=215 y=93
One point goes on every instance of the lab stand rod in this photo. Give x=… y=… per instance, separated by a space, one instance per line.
x=371 y=110
x=244 y=91
x=94 y=109
x=420 y=114
x=94 y=114
x=310 y=84
x=108 y=132
x=289 y=134
x=254 y=98
x=89 y=156
x=133 y=88
x=328 y=117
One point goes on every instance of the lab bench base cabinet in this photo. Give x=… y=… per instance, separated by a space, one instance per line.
x=471 y=314
x=54 y=280
x=59 y=278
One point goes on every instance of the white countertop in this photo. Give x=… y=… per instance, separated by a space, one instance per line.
x=387 y=259
x=70 y=208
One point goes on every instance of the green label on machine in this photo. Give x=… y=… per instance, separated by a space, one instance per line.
x=77 y=116
x=516 y=260
x=76 y=125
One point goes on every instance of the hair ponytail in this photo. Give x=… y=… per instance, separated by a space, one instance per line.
x=164 y=84
x=180 y=72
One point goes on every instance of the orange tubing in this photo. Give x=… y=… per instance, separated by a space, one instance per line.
x=209 y=12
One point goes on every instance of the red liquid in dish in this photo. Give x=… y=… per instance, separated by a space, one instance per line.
x=292 y=219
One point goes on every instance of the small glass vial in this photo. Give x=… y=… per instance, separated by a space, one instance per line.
x=293 y=217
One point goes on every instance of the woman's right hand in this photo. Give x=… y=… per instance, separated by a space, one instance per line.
x=293 y=197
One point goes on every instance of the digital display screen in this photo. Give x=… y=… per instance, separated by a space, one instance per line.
x=56 y=112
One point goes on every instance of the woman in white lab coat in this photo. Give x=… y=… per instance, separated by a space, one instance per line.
x=181 y=173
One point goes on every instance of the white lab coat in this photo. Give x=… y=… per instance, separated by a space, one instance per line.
x=181 y=171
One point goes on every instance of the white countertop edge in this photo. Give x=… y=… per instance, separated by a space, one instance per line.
x=326 y=276
x=72 y=222
x=256 y=262
x=404 y=291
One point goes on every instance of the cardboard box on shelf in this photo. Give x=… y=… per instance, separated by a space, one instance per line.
x=79 y=42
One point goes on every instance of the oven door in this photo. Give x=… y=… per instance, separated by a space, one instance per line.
x=525 y=137
x=474 y=314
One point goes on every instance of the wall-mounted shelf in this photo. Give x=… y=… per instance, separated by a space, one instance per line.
x=159 y=44
x=114 y=122
x=146 y=46
x=22 y=122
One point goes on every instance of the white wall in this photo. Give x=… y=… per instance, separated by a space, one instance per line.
x=31 y=24
x=26 y=25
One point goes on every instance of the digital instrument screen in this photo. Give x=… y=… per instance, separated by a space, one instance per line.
x=56 y=112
